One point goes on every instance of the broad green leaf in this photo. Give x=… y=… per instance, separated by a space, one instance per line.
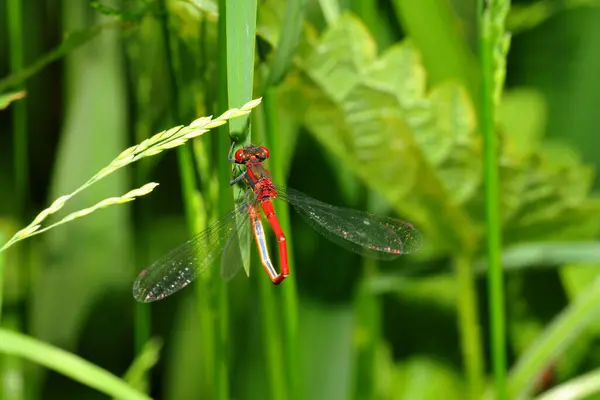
x=376 y=117
x=545 y=197
x=418 y=148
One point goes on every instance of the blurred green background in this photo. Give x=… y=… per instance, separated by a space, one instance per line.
x=366 y=104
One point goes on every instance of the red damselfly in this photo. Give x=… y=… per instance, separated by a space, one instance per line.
x=364 y=233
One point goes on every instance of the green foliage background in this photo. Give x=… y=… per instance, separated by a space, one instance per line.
x=369 y=104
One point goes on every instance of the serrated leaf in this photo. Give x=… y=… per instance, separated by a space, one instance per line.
x=382 y=125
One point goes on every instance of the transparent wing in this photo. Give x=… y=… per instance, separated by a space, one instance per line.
x=364 y=233
x=233 y=257
x=183 y=264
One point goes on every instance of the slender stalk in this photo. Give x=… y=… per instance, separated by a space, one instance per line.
x=141 y=239
x=220 y=380
x=142 y=317
x=492 y=204
x=15 y=34
x=14 y=366
x=221 y=309
x=469 y=325
x=204 y=162
x=288 y=288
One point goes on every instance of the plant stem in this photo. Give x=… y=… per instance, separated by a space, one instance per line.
x=15 y=34
x=14 y=366
x=469 y=325
x=492 y=204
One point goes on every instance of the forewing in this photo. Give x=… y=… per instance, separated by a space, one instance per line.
x=183 y=264
x=364 y=233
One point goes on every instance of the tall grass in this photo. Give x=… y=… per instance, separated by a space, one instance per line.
x=20 y=198
x=492 y=63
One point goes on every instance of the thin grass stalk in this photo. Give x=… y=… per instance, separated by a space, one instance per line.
x=204 y=161
x=16 y=47
x=288 y=287
x=142 y=316
x=221 y=308
x=141 y=239
x=14 y=366
x=492 y=202
x=221 y=337
x=471 y=346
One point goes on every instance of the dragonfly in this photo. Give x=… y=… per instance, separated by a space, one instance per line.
x=370 y=235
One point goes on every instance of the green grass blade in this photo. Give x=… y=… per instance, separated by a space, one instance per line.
x=221 y=338
x=68 y=364
x=20 y=196
x=546 y=255
x=433 y=26
x=15 y=34
x=240 y=25
x=373 y=15
x=471 y=346
x=492 y=63
x=562 y=332
x=72 y=41
x=288 y=40
x=237 y=32
x=331 y=10
x=145 y=360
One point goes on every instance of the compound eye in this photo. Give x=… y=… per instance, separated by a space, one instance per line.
x=264 y=153
x=239 y=155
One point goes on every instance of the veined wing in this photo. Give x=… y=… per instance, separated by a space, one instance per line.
x=183 y=264
x=362 y=232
